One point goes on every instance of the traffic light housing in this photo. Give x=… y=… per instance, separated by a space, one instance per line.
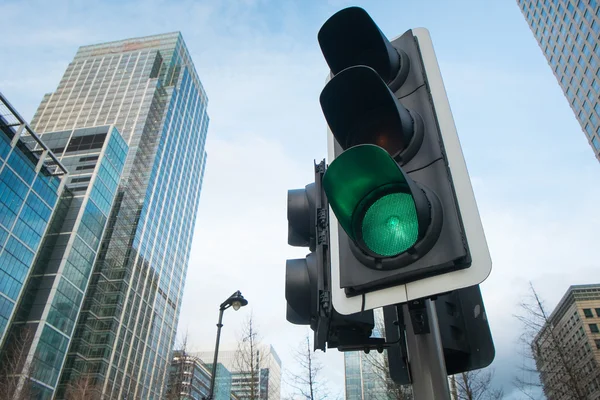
x=389 y=183
x=308 y=280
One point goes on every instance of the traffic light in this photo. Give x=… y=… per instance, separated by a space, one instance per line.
x=308 y=280
x=301 y=280
x=464 y=330
x=389 y=182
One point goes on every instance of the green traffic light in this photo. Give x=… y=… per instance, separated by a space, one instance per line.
x=373 y=200
x=390 y=225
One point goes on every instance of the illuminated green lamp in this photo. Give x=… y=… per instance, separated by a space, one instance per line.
x=376 y=203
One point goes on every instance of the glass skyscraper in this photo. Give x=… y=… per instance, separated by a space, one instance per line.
x=30 y=184
x=54 y=293
x=567 y=32
x=147 y=92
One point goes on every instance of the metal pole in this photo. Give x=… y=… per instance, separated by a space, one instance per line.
x=214 y=366
x=425 y=353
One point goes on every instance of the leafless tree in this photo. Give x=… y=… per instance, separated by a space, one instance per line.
x=84 y=388
x=548 y=355
x=476 y=385
x=249 y=360
x=307 y=382
x=15 y=369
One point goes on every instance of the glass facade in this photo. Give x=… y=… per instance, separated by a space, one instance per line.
x=568 y=33
x=267 y=384
x=367 y=376
x=149 y=90
x=54 y=294
x=29 y=189
x=189 y=378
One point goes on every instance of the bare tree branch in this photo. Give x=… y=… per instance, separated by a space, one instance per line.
x=84 y=388
x=476 y=385
x=15 y=369
x=249 y=362
x=307 y=383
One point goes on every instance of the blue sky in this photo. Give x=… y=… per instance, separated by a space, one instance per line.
x=534 y=175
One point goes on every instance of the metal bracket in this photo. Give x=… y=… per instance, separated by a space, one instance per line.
x=322 y=230
x=320 y=167
x=325 y=301
x=418 y=317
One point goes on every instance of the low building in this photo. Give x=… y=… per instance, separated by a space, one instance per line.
x=567 y=348
x=189 y=378
x=268 y=382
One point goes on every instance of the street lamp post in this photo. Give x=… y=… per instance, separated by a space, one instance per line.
x=236 y=301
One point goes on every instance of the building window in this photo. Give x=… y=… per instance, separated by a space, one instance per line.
x=588 y=313
x=596 y=144
x=597 y=343
x=598 y=312
x=586 y=107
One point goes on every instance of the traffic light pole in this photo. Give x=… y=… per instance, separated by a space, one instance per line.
x=425 y=352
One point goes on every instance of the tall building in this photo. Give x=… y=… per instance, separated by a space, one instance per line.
x=364 y=379
x=123 y=317
x=567 y=348
x=266 y=385
x=30 y=184
x=189 y=378
x=567 y=32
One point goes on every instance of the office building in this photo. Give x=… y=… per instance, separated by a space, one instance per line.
x=30 y=184
x=146 y=91
x=189 y=378
x=567 y=31
x=266 y=384
x=567 y=348
x=54 y=293
x=364 y=378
